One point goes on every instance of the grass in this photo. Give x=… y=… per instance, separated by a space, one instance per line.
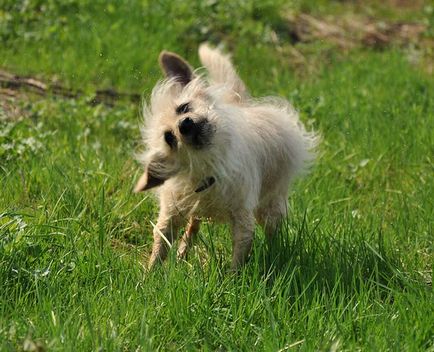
x=352 y=268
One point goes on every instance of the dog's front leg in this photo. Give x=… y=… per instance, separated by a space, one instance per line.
x=188 y=237
x=243 y=227
x=165 y=232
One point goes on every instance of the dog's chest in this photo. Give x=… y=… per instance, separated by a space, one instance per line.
x=208 y=203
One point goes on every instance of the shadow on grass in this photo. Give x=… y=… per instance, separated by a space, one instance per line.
x=348 y=261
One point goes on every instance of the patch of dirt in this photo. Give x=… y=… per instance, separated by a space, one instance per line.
x=349 y=32
x=408 y=4
x=10 y=104
x=10 y=83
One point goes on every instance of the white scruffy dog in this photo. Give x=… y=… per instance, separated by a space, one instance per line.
x=213 y=151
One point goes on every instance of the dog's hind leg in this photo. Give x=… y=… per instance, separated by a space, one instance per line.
x=165 y=232
x=188 y=237
x=271 y=216
x=243 y=228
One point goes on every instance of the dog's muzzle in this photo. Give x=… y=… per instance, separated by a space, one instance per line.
x=196 y=133
x=188 y=127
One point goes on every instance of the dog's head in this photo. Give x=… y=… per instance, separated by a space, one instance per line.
x=180 y=123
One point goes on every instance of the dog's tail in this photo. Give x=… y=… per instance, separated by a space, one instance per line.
x=221 y=70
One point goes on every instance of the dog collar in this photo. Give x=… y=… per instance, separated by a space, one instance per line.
x=205 y=184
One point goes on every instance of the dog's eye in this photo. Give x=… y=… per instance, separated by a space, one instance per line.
x=170 y=139
x=183 y=108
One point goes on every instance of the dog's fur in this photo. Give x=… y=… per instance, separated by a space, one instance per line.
x=233 y=162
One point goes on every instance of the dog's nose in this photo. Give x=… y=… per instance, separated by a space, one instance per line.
x=186 y=126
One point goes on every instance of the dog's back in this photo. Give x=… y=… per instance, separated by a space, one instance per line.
x=282 y=144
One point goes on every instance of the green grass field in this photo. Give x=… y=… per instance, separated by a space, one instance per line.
x=352 y=269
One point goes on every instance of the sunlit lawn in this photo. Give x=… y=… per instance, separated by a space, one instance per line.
x=351 y=270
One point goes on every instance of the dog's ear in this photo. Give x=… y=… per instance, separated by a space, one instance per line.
x=159 y=168
x=174 y=66
x=147 y=181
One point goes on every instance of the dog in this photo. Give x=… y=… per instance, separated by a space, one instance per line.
x=213 y=151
